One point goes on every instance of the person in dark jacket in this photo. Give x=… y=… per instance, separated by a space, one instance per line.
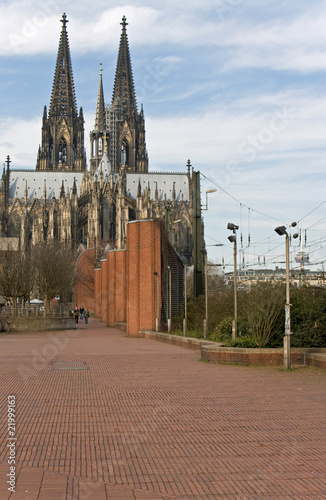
x=76 y=314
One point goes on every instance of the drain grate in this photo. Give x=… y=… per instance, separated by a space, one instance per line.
x=69 y=365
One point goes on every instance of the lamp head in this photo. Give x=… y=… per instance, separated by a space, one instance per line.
x=232 y=227
x=232 y=239
x=280 y=230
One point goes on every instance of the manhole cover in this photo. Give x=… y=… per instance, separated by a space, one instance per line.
x=69 y=365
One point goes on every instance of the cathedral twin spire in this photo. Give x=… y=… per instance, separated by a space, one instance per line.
x=124 y=97
x=63 y=100
x=122 y=128
x=62 y=145
x=119 y=130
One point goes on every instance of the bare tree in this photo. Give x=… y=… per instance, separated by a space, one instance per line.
x=10 y=276
x=28 y=275
x=16 y=275
x=55 y=269
x=85 y=269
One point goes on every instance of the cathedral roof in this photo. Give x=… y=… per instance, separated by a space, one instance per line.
x=164 y=183
x=35 y=183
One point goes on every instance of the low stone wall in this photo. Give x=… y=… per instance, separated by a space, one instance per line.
x=187 y=342
x=216 y=352
x=233 y=355
x=39 y=324
x=317 y=360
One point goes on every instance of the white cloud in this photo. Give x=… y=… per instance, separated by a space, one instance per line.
x=282 y=44
x=20 y=140
x=295 y=42
x=232 y=139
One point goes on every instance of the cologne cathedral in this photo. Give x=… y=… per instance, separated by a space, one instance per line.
x=65 y=200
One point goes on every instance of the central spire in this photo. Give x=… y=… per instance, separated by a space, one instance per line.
x=100 y=118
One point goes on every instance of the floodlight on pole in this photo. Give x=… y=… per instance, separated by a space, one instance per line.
x=281 y=231
x=233 y=227
x=157 y=285
x=169 y=298
x=233 y=239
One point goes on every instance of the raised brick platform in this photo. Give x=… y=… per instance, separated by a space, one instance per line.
x=218 y=353
x=103 y=416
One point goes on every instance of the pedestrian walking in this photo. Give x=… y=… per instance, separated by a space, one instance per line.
x=86 y=314
x=76 y=314
x=81 y=310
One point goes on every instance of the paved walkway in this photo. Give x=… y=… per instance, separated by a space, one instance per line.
x=103 y=416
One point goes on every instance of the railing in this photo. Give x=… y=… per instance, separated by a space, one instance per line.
x=34 y=312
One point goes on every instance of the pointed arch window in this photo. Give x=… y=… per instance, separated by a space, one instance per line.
x=100 y=146
x=14 y=226
x=124 y=152
x=63 y=150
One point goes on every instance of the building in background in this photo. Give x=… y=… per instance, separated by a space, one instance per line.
x=63 y=200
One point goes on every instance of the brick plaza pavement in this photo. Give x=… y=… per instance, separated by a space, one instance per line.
x=103 y=416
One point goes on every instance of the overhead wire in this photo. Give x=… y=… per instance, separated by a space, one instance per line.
x=235 y=199
x=312 y=211
x=250 y=209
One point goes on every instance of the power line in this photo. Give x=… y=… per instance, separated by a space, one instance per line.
x=312 y=211
x=243 y=204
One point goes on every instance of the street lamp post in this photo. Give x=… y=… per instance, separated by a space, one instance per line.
x=206 y=295
x=169 y=301
x=205 y=325
x=157 y=281
x=205 y=207
x=233 y=239
x=281 y=231
x=186 y=312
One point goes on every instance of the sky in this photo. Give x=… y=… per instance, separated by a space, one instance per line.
x=237 y=87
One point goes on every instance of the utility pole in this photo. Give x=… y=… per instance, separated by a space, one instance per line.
x=197 y=236
x=233 y=239
x=185 y=292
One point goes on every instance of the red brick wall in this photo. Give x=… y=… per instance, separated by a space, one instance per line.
x=97 y=288
x=319 y=361
x=84 y=293
x=251 y=356
x=126 y=289
x=121 y=287
x=104 y=289
x=116 y=287
x=143 y=259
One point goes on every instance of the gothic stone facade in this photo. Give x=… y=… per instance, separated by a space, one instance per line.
x=65 y=201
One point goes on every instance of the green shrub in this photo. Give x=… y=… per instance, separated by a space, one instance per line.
x=261 y=316
x=225 y=328
x=308 y=317
x=190 y=333
x=245 y=342
x=309 y=336
x=215 y=337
